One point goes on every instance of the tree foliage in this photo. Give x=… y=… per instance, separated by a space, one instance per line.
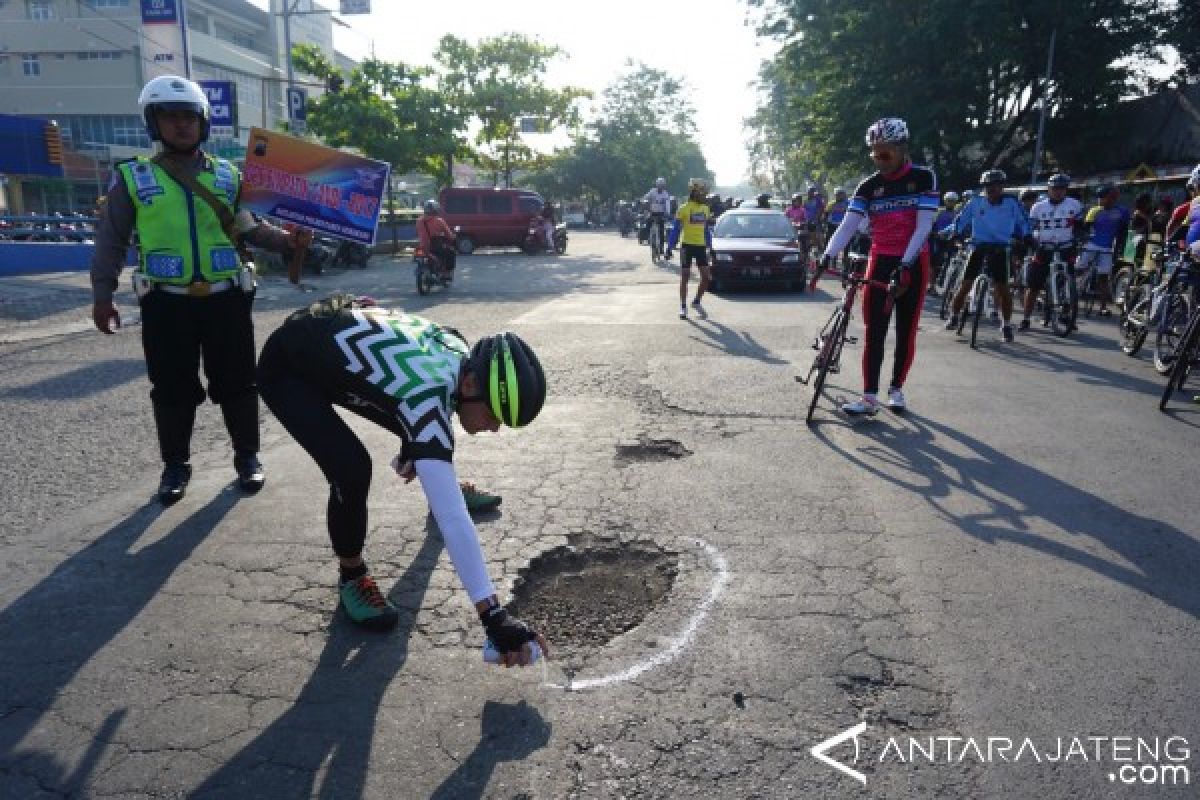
x=388 y=111
x=644 y=131
x=499 y=81
x=967 y=75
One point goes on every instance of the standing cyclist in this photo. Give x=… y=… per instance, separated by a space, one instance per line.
x=900 y=200
x=409 y=376
x=194 y=294
x=691 y=225
x=995 y=219
x=1056 y=222
x=658 y=203
x=1108 y=225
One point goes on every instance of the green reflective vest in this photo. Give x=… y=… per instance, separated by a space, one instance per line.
x=178 y=230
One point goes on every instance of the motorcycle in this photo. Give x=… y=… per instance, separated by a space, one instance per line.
x=429 y=272
x=535 y=239
x=351 y=254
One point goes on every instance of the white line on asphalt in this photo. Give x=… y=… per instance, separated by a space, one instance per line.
x=677 y=644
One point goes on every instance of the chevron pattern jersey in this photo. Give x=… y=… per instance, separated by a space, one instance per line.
x=406 y=363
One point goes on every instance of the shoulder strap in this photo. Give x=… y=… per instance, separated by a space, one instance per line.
x=188 y=181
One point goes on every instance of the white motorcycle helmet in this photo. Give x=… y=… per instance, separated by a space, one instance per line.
x=660 y=183
x=172 y=93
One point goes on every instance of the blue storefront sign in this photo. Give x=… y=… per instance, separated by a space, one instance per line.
x=222 y=99
x=155 y=12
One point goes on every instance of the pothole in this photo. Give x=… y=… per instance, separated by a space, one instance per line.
x=648 y=449
x=585 y=595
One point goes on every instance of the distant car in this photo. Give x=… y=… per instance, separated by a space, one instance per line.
x=755 y=247
x=575 y=215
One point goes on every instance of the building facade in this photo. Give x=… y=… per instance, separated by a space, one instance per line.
x=82 y=63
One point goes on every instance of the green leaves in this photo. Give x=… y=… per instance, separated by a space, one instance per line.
x=967 y=75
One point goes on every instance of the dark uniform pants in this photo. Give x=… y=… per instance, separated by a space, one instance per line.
x=177 y=330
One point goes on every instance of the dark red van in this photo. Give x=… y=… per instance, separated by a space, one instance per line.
x=489 y=217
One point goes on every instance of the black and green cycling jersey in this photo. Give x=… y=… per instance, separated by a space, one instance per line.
x=403 y=367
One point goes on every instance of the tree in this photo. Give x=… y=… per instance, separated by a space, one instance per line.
x=630 y=144
x=966 y=75
x=387 y=110
x=499 y=82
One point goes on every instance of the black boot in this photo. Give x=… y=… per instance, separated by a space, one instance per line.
x=174 y=483
x=249 y=472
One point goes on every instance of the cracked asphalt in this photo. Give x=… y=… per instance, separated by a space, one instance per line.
x=1015 y=558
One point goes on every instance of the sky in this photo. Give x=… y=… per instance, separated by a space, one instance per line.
x=708 y=45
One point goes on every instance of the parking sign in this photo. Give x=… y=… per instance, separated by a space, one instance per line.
x=297 y=100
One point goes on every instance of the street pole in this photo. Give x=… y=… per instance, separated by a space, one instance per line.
x=1037 y=151
x=287 y=41
x=187 y=58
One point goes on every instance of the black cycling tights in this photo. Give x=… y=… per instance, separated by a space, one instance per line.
x=876 y=317
x=308 y=415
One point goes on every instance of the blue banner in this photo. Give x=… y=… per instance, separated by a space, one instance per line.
x=222 y=99
x=155 y=12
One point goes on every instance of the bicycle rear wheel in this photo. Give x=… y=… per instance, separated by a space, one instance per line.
x=1185 y=359
x=830 y=349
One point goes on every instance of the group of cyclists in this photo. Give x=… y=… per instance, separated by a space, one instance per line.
x=913 y=232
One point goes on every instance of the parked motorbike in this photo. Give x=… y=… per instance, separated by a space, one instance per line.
x=351 y=254
x=535 y=239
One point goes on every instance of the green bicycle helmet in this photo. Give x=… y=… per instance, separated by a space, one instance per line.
x=513 y=383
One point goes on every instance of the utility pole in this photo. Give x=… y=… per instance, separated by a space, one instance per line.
x=1037 y=151
x=187 y=57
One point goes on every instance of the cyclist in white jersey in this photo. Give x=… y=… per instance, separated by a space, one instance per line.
x=1056 y=222
x=658 y=200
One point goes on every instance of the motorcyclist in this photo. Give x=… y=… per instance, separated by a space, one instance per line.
x=799 y=218
x=436 y=238
x=548 y=223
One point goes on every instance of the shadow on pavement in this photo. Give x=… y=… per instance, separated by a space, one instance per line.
x=912 y=456
x=329 y=729
x=735 y=343
x=84 y=380
x=55 y=628
x=509 y=732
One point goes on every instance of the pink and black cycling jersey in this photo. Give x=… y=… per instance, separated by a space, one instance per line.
x=891 y=203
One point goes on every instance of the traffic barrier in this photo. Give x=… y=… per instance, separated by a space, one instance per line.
x=31 y=258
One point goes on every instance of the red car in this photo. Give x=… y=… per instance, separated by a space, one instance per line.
x=754 y=247
x=489 y=217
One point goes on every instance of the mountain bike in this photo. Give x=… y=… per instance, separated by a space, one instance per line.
x=1137 y=302
x=832 y=337
x=979 y=301
x=1186 y=363
x=951 y=277
x=1173 y=309
x=1060 y=306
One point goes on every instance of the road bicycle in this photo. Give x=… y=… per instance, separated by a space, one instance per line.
x=654 y=240
x=1186 y=362
x=832 y=337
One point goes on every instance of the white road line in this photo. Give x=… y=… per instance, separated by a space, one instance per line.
x=677 y=645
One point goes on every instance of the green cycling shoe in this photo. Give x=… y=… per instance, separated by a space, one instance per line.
x=477 y=501
x=366 y=605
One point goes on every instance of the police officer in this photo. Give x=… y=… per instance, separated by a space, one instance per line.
x=195 y=296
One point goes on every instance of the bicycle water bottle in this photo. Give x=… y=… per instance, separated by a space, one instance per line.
x=492 y=656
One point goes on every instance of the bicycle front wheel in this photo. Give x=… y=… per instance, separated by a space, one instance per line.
x=1133 y=326
x=1175 y=313
x=830 y=349
x=1185 y=359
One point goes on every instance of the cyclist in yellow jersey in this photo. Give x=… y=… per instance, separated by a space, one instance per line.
x=692 y=231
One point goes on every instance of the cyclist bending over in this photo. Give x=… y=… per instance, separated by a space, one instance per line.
x=995 y=219
x=1056 y=223
x=900 y=201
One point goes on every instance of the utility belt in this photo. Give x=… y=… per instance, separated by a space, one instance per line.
x=244 y=281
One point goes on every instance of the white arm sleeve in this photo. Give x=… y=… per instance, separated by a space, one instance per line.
x=440 y=484
x=844 y=233
x=925 y=219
